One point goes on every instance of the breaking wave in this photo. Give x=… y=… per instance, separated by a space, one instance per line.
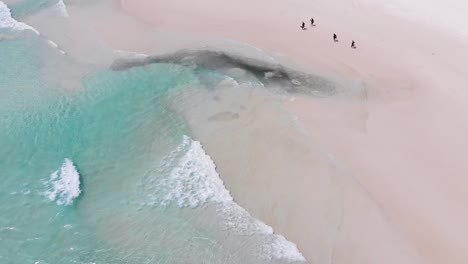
x=61 y=9
x=194 y=181
x=7 y=21
x=64 y=184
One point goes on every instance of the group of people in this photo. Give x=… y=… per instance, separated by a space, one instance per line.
x=335 y=37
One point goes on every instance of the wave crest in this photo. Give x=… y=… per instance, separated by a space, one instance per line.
x=7 y=21
x=194 y=181
x=64 y=184
x=61 y=9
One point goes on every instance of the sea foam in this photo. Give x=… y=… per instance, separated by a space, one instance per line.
x=194 y=181
x=56 y=46
x=64 y=184
x=130 y=54
x=7 y=21
x=61 y=9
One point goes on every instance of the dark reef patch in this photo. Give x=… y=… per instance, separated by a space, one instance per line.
x=240 y=69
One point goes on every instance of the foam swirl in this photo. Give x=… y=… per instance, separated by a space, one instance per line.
x=64 y=184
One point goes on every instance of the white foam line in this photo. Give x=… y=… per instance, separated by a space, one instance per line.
x=194 y=181
x=61 y=9
x=52 y=44
x=55 y=46
x=131 y=54
x=7 y=21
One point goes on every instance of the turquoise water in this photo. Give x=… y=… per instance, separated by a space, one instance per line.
x=97 y=167
x=111 y=129
x=26 y=7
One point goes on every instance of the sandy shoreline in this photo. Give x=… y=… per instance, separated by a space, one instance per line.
x=377 y=179
x=401 y=148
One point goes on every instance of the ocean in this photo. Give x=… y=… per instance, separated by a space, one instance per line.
x=98 y=166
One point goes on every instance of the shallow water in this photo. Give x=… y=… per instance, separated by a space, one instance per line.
x=97 y=167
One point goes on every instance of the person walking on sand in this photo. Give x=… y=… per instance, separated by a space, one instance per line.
x=312 y=22
x=303 y=26
x=353 y=45
x=335 y=38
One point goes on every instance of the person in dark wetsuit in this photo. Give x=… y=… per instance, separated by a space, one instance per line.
x=312 y=22
x=353 y=45
x=335 y=38
x=303 y=26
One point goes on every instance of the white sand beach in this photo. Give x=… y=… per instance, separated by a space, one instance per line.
x=374 y=178
x=401 y=149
